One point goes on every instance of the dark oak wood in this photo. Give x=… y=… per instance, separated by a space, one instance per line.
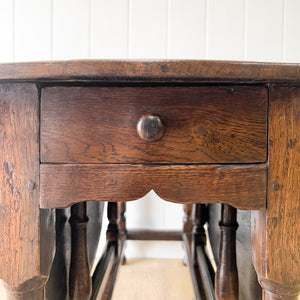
x=249 y=288
x=27 y=240
x=276 y=232
x=207 y=283
x=198 y=252
x=199 y=236
x=80 y=284
x=57 y=287
x=112 y=275
x=172 y=70
x=112 y=233
x=150 y=235
x=193 y=132
x=226 y=280
x=196 y=257
x=194 y=271
x=188 y=223
x=103 y=271
x=94 y=210
x=201 y=216
x=122 y=217
x=122 y=223
x=63 y=185
x=106 y=270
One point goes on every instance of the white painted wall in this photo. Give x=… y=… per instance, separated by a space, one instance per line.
x=34 y=30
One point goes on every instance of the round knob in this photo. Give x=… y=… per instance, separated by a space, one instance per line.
x=150 y=128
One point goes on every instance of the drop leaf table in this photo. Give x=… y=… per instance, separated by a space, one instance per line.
x=196 y=132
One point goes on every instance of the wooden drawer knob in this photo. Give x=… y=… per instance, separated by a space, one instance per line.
x=150 y=128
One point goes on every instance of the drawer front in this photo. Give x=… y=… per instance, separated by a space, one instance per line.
x=202 y=124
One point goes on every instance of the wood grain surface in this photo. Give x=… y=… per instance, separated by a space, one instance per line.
x=276 y=232
x=57 y=285
x=242 y=186
x=172 y=70
x=226 y=279
x=80 y=282
x=202 y=124
x=24 y=267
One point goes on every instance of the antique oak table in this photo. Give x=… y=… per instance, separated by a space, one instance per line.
x=196 y=132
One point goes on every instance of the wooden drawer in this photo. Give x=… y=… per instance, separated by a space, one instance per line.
x=203 y=124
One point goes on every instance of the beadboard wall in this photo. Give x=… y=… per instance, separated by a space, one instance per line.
x=267 y=30
x=253 y=30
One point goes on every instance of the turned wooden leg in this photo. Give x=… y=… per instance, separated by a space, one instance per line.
x=80 y=284
x=57 y=285
x=112 y=233
x=95 y=213
x=199 y=231
x=122 y=218
x=276 y=231
x=202 y=266
x=188 y=223
x=27 y=235
x=200 y=220
x=188 y=226
x=122 y=222
x=226 y=279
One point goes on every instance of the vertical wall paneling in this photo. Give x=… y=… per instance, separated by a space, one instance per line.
x=148 y=28
x=186 y=29
x=225 y=29
x=71 y=29
x=129 y=28
x=32 y=30
x=7 y=30
x=264 y=32
x=292 y=31
x=245 y=30
x=109 y=28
